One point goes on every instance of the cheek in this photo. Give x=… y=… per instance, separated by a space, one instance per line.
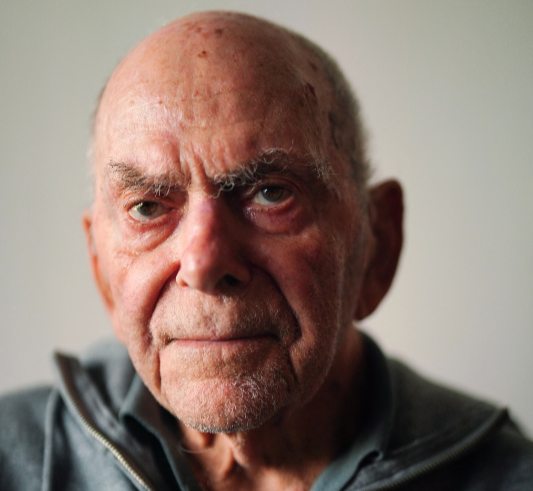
x=136 y=282
x=309 y=272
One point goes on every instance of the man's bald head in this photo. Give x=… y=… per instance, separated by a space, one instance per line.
x=269 y=46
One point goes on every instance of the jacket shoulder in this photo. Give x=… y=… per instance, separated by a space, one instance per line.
x=503 y=462
x=22 y=436
x=428 y=411
x=478 y=446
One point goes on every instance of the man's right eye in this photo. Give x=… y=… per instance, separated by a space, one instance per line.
x=146 y=210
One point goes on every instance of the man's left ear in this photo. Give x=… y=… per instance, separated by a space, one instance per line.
x=385 y=242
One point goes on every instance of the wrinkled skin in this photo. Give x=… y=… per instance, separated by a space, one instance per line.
x=227 y=237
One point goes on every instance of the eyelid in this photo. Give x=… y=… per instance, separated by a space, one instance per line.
x=268 y=181
x=251 y=195
x=166 y=205
x=169 y=200
x=159 y=211
x=261 y=195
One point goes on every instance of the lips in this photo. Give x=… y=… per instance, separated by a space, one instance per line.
x=225 y=339
x=221 y=358
x=221 y=341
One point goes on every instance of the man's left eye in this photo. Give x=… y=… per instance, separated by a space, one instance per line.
x=146 y=210
x=271 y=195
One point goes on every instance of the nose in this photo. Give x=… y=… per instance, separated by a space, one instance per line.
x=211 y=259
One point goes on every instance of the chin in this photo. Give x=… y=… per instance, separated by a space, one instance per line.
x=221 y=406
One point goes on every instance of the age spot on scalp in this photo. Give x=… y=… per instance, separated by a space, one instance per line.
x=310 y=89
x=203 y=54
x=309 y=93
x=334 y=121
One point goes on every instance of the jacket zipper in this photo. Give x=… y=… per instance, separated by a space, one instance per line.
x=445 y=459
x=102 y=439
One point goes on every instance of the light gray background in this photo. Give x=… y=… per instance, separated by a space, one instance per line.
x=447 y=92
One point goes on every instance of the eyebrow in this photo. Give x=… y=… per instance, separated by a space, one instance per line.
x=130 y=177
x=275 y=161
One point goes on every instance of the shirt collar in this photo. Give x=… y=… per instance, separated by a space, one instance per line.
x=376 y=424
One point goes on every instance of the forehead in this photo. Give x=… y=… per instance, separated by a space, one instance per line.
x=215 y=90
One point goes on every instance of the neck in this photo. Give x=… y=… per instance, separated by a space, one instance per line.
x=290 y=450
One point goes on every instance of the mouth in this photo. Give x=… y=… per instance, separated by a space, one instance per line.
x=221 y=340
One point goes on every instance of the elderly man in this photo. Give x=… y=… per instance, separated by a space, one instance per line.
x=234 y=241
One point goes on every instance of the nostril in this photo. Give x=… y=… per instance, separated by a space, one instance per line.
x=231 y=280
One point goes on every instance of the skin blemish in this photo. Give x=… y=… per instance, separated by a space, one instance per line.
x=219 y=32
x=309 y=94
x=313 y=66
x=203 y=54
x=309 y=90
x=333 y=120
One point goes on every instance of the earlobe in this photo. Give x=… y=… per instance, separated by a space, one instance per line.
x=386 y=224
x=99 y=278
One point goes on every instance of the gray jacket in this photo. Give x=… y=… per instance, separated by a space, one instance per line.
x=70 y=437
